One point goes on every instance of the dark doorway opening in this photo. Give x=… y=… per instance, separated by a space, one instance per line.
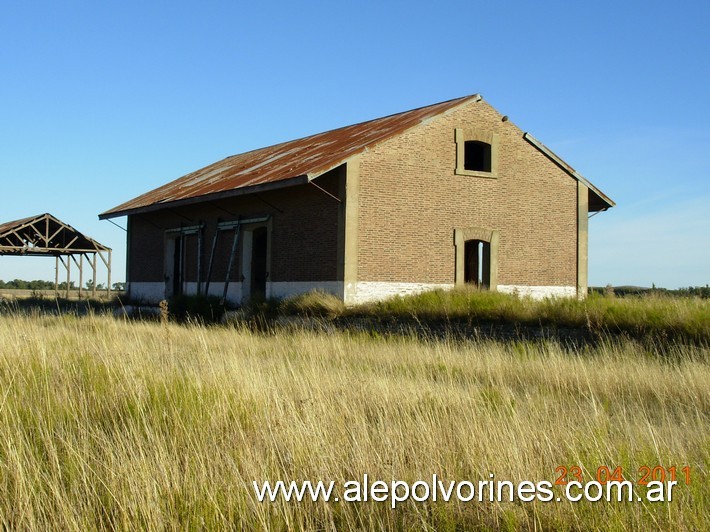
x=477 y=263
x=177 y=266
x=258 y=263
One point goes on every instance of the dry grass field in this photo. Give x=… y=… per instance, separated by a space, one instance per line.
x=114 y=424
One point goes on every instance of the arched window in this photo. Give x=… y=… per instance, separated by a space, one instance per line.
x=477 y=265
x=476 y=153
x=476 y=257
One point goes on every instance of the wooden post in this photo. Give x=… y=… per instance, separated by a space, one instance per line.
x=235 y=244
x=81 y=274
x=209 y=266
x=107 y=263
x=68 y=274
x=93 y=287
x=108 y=288
x=56 y=275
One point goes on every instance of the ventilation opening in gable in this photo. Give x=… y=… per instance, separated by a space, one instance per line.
x=477 y=156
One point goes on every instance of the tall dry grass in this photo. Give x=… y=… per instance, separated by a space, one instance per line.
x=661 y=316
x=113 y=424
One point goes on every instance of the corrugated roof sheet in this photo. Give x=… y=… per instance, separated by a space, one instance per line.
x=308 y=157
x=9 y=226
x=301 y=160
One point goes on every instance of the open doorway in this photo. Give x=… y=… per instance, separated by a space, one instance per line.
x=477 y=263
x=255 y=262
x=174 y=266
x=258 y=263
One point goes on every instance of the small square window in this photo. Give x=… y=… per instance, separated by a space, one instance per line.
x=477 y=156
x=476 y=153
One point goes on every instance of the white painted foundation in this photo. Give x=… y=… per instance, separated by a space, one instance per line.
x=287 y=289
x=153 y=293
x=234 y=292
x=362 y=292
x=368 y=291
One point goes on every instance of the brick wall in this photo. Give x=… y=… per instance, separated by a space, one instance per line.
x=411 y=200
x=304 y=234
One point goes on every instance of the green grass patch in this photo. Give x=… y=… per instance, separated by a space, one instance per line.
x=659 y=316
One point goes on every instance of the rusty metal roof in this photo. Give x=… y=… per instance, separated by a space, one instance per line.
x=302 y=160
x=289 y=163
x=44 y=235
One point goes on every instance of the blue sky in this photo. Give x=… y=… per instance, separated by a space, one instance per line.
x=100 y=102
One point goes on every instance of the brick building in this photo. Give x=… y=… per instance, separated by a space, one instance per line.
x=448 y=194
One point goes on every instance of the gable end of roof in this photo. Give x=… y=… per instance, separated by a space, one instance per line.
x=603 y=201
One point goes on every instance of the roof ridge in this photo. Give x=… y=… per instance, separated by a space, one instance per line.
x=303 y=158
x=356 y=124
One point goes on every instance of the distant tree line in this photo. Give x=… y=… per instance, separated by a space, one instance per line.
x=621 y=291
x=691 y=291
x=19 y=284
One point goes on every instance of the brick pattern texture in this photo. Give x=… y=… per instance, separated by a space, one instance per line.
x=304 y=235
x=411 y=200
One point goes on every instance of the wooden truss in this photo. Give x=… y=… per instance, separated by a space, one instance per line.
x=46 y=236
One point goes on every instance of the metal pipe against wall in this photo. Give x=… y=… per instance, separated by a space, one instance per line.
x=226 y=226
x=235 y=244
x=209 y=266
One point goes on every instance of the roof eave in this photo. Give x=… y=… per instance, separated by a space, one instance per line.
x=606 y=200
x=141 y=205
x=241 y=191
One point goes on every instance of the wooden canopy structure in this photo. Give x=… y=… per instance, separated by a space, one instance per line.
x=46 y=236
